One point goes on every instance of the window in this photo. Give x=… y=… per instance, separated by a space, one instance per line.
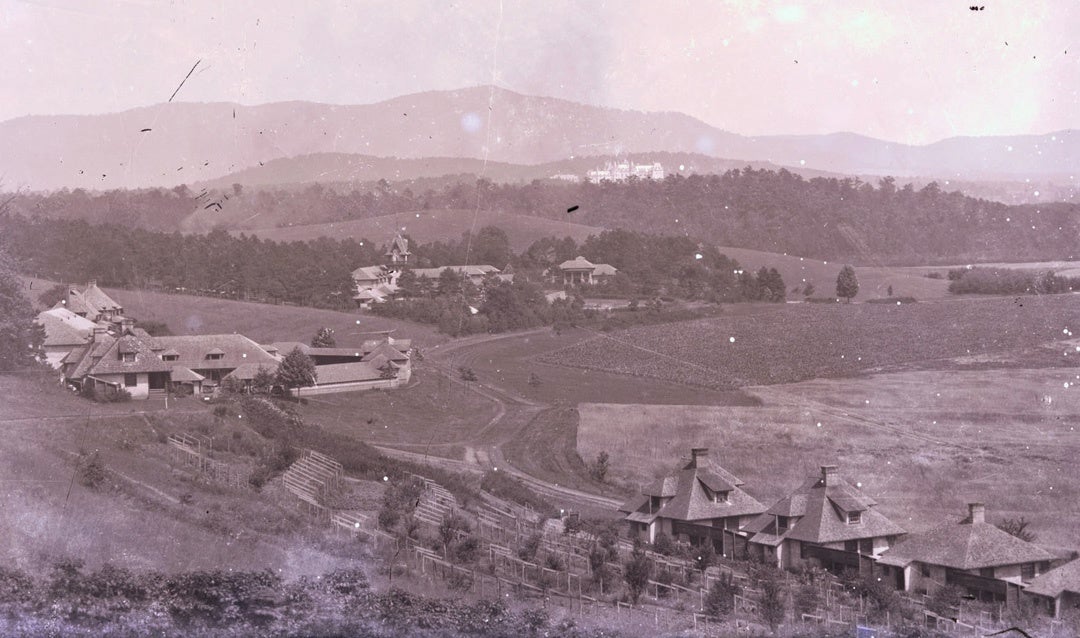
x=781 y=524
x=214 y=356
x=851 y=546
x=987 y=572
x=1027 y=571
x=854 y=518
x=925 y=570
x=170 y=357
x=866 y=546
x=128 y=357
x=131 y=380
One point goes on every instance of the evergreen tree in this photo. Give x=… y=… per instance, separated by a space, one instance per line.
x=847 y=284
x=296 y=371
x=637 y=571
x=21 y=338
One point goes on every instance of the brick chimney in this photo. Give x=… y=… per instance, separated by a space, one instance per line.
x=698 y=456
x=827 y=473
x=976 y=513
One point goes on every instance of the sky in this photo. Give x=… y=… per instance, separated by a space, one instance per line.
x=913 y=71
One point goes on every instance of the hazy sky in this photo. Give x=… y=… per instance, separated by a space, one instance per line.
x=911 y=71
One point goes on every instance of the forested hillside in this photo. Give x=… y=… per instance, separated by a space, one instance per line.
x=776 y=211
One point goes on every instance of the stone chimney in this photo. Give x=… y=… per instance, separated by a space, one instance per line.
x=828 y=473
x=91 y=283
x=698 y=456
x=976 y=513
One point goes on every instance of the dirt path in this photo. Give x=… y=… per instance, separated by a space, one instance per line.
x=517 y=439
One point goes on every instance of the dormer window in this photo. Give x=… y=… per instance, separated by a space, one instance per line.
x=127 y=357
x=781 y=524
x=854 y=518
x=214 y=356
x=170 y=357
x=719 y=497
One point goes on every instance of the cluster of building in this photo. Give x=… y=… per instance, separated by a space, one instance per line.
x=624 y=170
x=827 y=522
x=377 y=284
x=94 y=345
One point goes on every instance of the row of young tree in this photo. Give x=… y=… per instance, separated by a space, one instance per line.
x=780 y=211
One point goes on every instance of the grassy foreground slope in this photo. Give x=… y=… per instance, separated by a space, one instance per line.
x=795 y=342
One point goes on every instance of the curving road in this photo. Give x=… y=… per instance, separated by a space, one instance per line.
x=517 y=418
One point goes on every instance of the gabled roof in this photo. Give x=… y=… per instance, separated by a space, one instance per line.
x=365 y=273
x=966 y=545
x=385 y=351
x=688 y=495
x=180 y=373
x=64 y=328
x=76 y=303
x=235 y=349
x=146 y=360
x=577 y=263
x=820 y=507
x=98 y=298
x=1065 y=578
x=604 y=269
x=401 y=244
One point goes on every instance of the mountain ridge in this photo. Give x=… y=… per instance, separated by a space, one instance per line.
x=187 y=142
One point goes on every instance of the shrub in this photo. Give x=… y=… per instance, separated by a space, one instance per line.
x=721 y=599
x=91 y=470
x=663 y=544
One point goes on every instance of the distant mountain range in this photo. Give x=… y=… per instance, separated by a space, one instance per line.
x=176 y=143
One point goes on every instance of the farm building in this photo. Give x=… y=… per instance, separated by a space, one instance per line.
x=1058 y=590
x=826 y=521
x=699 y=503
x=91 y=303
x=146 y=366
x=989 y=563
x=582 y=271
x=64 y=330
x=475 y=274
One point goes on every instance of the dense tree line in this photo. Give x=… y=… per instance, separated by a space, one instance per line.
x=318 y=272
x=826 y=218
x=315 y=273
x=21 y=338
x=1009 y=281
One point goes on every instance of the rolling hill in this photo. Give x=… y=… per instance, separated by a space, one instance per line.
x=434 y=225
x=174 y=143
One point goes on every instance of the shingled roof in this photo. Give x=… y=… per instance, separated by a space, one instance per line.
x=689 y=490
x=64 y=328
x=969 y=544
x=821 y=505
x=1065 y=578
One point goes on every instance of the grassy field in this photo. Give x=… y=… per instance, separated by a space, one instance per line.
x=265 y=323
x=147 y=514
x=435 y=225
x=874 y=281
x=796 y=342
x=510 y=363
x=432 y=412
x=921 y=443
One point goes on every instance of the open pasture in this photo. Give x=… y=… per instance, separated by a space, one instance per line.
x=434 y=225
x=431 y=411
x=874 y=281
x=921 y=443
x=796 y=342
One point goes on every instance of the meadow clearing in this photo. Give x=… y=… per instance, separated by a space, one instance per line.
x=922 y=443
x=795 y=342
x=434 y=225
